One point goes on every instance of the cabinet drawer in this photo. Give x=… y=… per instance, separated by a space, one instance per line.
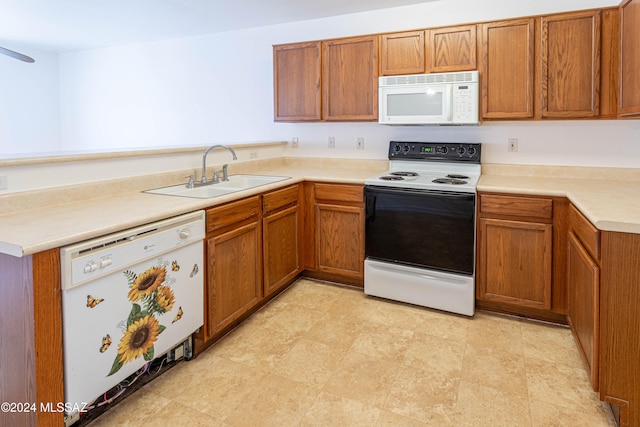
x=279 y=198
x=222 y=216
x=516 y=206
x=588 y=235
x=340 y=192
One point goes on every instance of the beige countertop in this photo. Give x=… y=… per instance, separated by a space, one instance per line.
x=610 y=204
x=69 y=215
x=28 y=231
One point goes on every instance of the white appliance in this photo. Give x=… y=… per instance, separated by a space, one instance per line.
x=128 y=298
x=429 y=99
x=420 y=226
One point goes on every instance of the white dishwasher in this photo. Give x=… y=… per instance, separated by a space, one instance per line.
x=128 y=298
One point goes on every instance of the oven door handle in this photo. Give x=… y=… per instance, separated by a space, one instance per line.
x=372 y=189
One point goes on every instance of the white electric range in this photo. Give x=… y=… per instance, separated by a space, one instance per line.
x=420 y=226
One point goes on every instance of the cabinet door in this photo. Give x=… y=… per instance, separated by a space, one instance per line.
x=452 y=49
x=584 y=305
x=281 y=252
x=629 y=58
x=402 y=53
x=514 y=263
x=340 y=240
x=296 y=77
x=570 y=65
x=233 y=275
x=350 y=79
x=610 y=63
x=506 y=69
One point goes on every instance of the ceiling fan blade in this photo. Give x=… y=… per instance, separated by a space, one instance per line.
x=16 y=55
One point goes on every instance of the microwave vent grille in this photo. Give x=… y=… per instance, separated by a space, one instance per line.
x=413 y=79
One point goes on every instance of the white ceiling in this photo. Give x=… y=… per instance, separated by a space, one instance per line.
x=63 y=25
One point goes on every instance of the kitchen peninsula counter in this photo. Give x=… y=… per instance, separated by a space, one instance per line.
x=40 y=220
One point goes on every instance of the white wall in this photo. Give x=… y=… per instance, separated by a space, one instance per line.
x=29 y=103
x=219 y=88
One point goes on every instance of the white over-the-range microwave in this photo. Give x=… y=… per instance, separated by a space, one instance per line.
x=429 y=99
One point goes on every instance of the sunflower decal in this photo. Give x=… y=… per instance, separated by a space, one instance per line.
x=165 y=299
x=138 y=339
x=151 y=296
x=143 y=286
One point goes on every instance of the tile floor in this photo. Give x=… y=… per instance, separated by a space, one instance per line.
x=323 y=355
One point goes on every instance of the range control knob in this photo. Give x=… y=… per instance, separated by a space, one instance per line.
x=471 y=151
x=184 y=234
x=397 y=148
x=406 y=148
x=444 y=149
x=461 y=150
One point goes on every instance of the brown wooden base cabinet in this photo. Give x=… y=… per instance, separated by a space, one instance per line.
x=583 y=284
x=335 y=218
x=253 y=251
x=620 y=325
x=234 y=264
x=282 y=228
x=519 y=241
x=31 y=337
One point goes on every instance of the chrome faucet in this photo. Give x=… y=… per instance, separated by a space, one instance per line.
x=204 y=180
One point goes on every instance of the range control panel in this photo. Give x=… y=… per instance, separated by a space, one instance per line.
x=434 y=151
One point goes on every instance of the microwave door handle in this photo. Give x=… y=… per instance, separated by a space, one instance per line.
x=449 y=102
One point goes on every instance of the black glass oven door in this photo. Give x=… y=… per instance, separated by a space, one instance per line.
x=432 y=229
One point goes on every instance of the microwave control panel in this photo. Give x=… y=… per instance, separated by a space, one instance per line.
x=465 y=103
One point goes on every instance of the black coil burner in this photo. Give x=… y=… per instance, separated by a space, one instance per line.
x=453 y=181
x=403 y=173
x=391 y=178
x=457 y=176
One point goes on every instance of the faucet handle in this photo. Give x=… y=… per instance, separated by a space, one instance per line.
x=215 y=179
x=225 y=174
x=192 y=181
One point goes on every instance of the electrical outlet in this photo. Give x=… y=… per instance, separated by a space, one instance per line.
x=4 y=182
x=294 y=142
x=253 y=155
x=360 y=143
x=512 y=145
x=332 y=142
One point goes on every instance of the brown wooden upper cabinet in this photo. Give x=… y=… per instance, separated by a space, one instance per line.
x=580 y=64
x=350 y=79
x=437 y=50
x=452 y=49
x=629 y=58
x=506 y=69
x=402 y=53
x=296 y=70
x=570 y=65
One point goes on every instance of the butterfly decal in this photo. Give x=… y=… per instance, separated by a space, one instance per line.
x=92 y=302
x=175 y=266
x=194 y=270
x=178 y=316
x=106 y=342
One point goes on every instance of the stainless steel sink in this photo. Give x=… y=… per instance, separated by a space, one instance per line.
x=234 y=184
